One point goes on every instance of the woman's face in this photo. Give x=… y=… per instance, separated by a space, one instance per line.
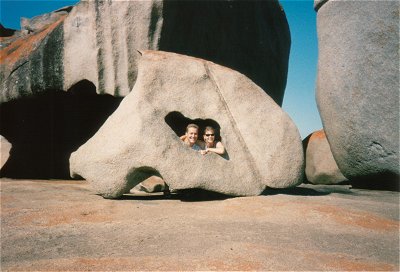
x=209 y=136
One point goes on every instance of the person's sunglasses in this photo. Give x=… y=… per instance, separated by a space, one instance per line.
x=208 y=135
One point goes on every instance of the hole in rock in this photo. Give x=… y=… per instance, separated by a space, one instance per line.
x=178 y=123
x=140 y=174
x=45 y=129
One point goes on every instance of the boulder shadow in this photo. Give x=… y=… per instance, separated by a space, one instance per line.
x=309 y=189
x=45 y=129
x=186 y=195
x=296 y=191
x=147 y=197
x=199 y=195
x=385 y=181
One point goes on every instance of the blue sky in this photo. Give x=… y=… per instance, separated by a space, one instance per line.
x=299 y=100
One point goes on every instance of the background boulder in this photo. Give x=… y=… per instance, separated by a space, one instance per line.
x=358 y=87
x=152 y=184
x=40 y=22
x=321 y=167
x=263 y=144
x=5 y=147
x=98 y=42
x=31 y=60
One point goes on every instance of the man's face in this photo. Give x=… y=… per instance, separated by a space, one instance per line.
x=192 y=135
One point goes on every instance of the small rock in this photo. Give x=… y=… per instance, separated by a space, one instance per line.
x=5 y=150
x=152 y=184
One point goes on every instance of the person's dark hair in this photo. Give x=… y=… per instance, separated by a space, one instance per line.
x=193 y=126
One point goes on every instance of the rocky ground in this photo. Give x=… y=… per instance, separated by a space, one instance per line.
x=61 y=225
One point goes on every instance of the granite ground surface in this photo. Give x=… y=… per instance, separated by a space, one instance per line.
x=62 y=225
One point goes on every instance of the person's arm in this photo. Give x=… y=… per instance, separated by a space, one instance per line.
x=183 y=137
x=219 y=149
x=201 y=144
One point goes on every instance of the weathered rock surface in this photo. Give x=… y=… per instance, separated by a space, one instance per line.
x=98 y=41
x=40 y=22
x=321 y=167
x=358 y=86
x=263 y=145
x=32 y=63
x=61 y=226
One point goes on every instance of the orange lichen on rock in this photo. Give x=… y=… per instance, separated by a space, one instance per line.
x=355 y=265
x=59 y=216
x=343 y=262
x=22 y=47
x=319 y=134
x=358 y=218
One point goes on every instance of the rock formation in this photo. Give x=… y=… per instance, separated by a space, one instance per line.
x=31 y=62
x=321 y=167
x=358 y=87
x=98 y=40
x=263 y=145
x=40 y=22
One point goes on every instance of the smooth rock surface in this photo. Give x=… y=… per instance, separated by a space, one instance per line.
x=98 y=41
x=321 y=167
x=5 y=150
x=152 y=184
x=263 y=144
x=62 y=226
x=358 y=87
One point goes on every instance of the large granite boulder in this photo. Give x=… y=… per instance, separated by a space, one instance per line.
x=31 y=60
x=358 y=87
x=98 y=40
x=321 y=167
x=140 y=138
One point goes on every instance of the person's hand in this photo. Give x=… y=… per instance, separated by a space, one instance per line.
x=203 y=152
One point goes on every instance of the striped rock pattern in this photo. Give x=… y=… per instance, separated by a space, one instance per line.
x=98 y=41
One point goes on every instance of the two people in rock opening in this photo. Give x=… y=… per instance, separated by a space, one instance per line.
x=208 y=145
